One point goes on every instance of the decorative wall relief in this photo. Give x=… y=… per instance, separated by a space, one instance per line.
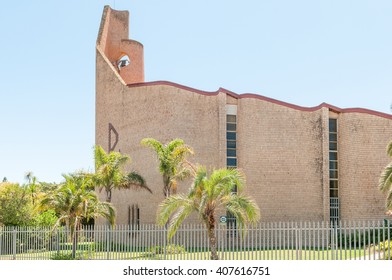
x=112 y=132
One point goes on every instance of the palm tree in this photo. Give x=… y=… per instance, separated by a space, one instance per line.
x=385 y=182
x=73 y=201
x=172 y=162
x=109 y=174
x=32 y=185
x=206 y=195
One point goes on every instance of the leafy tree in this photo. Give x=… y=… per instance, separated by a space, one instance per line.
x=206 y=195
x=109 y=173
x=47 y=218
x=15 y=206
x=172 y=162
x=385 y=182
x=75 y=200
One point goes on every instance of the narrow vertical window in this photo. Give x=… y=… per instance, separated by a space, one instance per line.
x=134 y=217
x=231 y=141
x=333 y=171
x=231 y=161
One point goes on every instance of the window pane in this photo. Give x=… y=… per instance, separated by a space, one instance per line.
x=333 y=174
x=231 y=127
x=333 y=184
x=231 y=135
x=333 y=146
x=333 y=193
x=333 y=125
x=231 y=118
x=231 y=144
x=333 y=165
x=333 y=156
x=231 y=152
x=333 y=137
x=231 y=162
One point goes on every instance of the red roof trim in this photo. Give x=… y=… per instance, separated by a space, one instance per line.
x=264 y=98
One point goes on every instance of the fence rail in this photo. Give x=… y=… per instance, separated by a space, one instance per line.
x=265 y=241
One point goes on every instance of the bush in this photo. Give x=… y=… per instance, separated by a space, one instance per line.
x=83 y=255
x=170 y=249
x=103 y=246
x=386 y=248
x=16 y=208
x=361 y=238
x=45 y=219
x=82 y=246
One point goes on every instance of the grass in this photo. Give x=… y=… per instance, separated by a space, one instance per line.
x=307 y=254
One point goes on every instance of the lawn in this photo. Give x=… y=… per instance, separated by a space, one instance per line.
x=204 y=255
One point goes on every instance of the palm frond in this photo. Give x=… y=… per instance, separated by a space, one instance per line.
x=152 y=143
x=100 y=156
x=228 y=179
x=246 y=204
x=385 y=182
x=136 y=181
x=174 y=144
x=183 y=212
x=389 y=149
x=170 y=206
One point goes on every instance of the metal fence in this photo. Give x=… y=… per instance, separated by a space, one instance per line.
x=362 y=240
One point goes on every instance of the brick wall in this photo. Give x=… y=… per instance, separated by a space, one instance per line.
x=282 y=148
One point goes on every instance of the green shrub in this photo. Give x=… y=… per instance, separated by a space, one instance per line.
x=168 y=249
x=386 y=248
x=83 y=255
x=45 y=219
x=361 y=238
x=82 y=246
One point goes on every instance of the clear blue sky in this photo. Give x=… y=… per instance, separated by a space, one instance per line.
x=302 y=52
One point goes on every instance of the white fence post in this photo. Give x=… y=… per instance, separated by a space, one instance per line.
x=14 y=243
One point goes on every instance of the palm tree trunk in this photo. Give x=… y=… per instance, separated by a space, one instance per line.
x=74 y=244
x=108 y=196
x=212 y=237
x=166 y=186
x=74 y=237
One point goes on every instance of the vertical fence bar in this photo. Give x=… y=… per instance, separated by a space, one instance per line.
x=257 y=241
x=340 y=240
x=369 y=234
x=314 y=241
x=300 y=233
x=374 y=239
x=355 y=240
x=377 y=245
x=306 y=240
x=279 y=240
x=206 y=241
x=285 y=236
x=296 y=243
x=252 y=243
x=363 y=233
x=14 y=243
x=345 y=240
x=291 y=241
x=389 y=241
x=106 y=229
x=193 y=240
x=268 y=243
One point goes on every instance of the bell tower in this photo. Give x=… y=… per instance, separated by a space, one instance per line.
x=125 y=55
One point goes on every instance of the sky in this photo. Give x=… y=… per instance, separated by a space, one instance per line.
x=304 y=52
